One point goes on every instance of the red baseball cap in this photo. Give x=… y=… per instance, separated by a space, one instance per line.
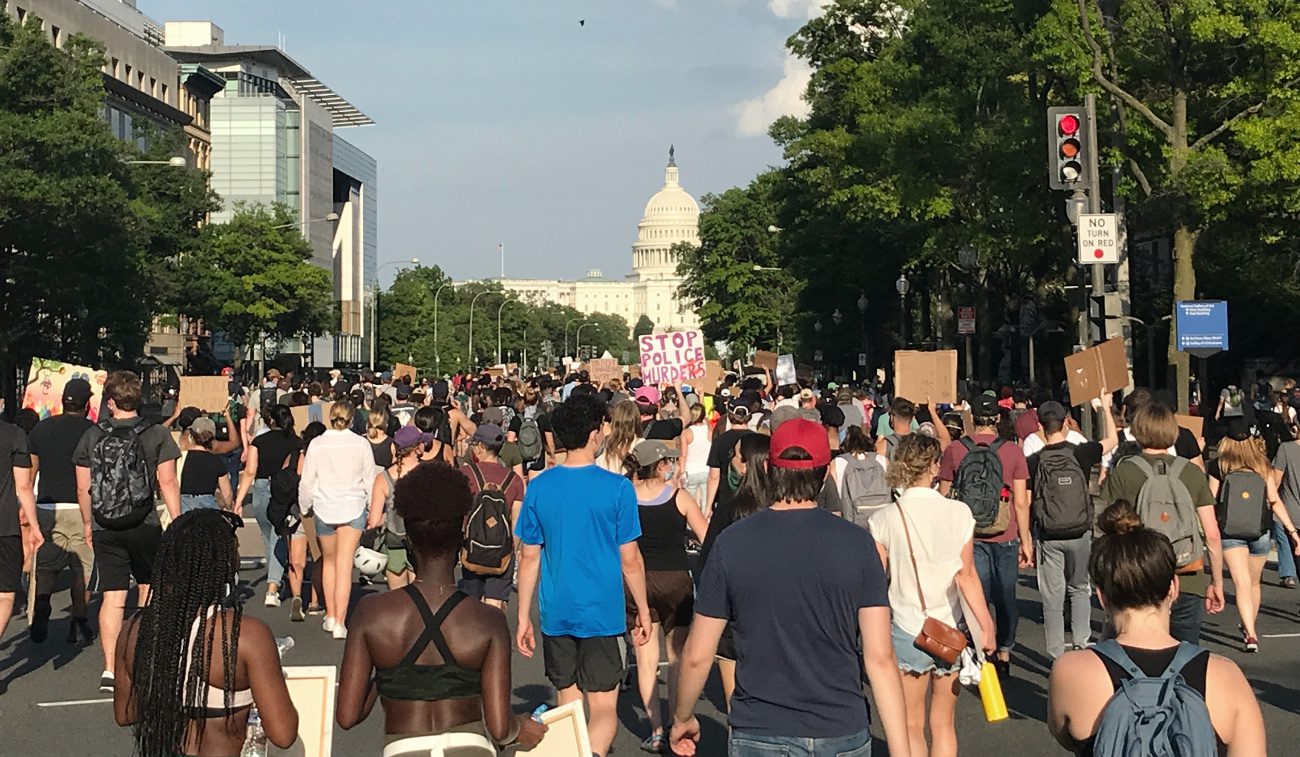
x=804 y=434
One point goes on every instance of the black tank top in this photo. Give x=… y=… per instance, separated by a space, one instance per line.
x=383 y=452
x=663 y=532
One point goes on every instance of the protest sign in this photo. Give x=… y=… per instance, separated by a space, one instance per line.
x=672 y=358
x=211 y=394
x=785 y=373
x=566 y=733
x=1193 y=423
x=765 y=359
x=926 y=376
x=713 y=375
x=315 y=412
x=402 y=369
x=1096 y=371
x=45 y=380
x=601 y=370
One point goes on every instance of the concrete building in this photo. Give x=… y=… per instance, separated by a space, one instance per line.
x=274 y=141
x=670 y=217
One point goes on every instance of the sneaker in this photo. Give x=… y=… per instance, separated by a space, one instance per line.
x=272 y=600
x=1289 y=582
x=328 y=625
x=106 y=682
x=1251 y=645
x=295 y=610
x=340 y=631
x=315 y=610
x=40 y=629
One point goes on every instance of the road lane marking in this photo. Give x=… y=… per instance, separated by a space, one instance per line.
x=74 y=702
x=1281 y=635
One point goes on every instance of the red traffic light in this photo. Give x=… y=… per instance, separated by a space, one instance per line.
x=1068 y=125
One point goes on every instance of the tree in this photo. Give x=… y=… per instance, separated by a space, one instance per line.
x=643 y=326
x=732 y=279
x=84 y=237
x=251 y=278
x=1205 y=107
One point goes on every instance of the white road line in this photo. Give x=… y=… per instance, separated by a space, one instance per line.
x=1281 y=635
x=74 y=702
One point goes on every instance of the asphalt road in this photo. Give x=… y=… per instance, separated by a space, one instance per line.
x=51 y=705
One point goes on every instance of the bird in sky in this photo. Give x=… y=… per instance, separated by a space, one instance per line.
x=582 y=22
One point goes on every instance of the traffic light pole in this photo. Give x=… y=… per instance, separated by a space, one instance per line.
x=1094 y=206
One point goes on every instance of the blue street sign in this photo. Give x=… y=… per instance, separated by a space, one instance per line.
x=1202 y=326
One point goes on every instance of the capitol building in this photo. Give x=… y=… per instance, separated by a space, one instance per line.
x=671 y=216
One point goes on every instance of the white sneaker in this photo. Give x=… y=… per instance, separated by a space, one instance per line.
x=272 y=600
x=340 y=631
x=329 y=624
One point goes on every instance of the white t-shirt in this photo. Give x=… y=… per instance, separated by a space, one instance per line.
x=1034 y=443
x=940 y=528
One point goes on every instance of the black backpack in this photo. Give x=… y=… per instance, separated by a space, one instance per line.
x=282 y=511
x=266 y=399
x=979 y=484
x=1127 y=448
x=1062 y=506
x=1242 y=506
x=121 y=484
x=488 y=537
x=442 y=427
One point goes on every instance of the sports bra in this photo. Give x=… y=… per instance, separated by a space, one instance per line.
x=214 y=699
x=410 y=681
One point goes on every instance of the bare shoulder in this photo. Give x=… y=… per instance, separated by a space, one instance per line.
x=1078 y=667
x=1222 y=672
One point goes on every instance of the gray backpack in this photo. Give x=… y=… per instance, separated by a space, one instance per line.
x=121 y=484
x=1242 y=507
x=891 y=444
x=863 y=489
x=394 y=525
x=1157 y=716
x=1165 y=505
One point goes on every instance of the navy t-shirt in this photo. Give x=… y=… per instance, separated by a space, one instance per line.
x=791 y=582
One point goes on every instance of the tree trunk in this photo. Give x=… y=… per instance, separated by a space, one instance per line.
x=1184 y=249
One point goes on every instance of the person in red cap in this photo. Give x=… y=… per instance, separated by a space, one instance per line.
x=799 y=587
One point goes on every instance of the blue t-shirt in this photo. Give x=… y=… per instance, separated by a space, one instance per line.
x=580 y=517
x=791 y=583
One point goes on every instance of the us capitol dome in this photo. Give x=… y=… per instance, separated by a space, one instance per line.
x=671 y=216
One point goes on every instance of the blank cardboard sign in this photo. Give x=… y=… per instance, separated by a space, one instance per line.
x=922 y=376
x=1096 y=371
x=765 y=359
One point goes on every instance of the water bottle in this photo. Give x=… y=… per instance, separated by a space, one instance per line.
x=283 y=644
x=995 y=706
x=255 y=741
x=537 y=713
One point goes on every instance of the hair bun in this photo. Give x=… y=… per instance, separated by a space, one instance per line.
x=1119 y=519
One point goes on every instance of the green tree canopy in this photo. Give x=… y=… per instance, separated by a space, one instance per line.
x=251 y=276
x=643 y=326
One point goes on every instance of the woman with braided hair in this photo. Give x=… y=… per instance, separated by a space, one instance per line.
x=190 y=666
x=437 y=663
x=409 y=442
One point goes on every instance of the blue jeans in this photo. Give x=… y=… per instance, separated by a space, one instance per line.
x=1285 y=560
x=259 y=499
x=198 y=502
x=998 y=566
x=750 y=745
x=1185 y=617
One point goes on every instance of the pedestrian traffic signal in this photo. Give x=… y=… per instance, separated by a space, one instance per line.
x=1065 y=145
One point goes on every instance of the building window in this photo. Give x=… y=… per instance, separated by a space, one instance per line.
x=153 y=87
x=22 y=15
x=113 y=70
x=164 y=93
x=127 y=78
x=56 y=36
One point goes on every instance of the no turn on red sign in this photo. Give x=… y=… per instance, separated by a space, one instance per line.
x=1098 y=238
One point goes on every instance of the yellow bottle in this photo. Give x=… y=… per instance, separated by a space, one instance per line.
x=995 y=706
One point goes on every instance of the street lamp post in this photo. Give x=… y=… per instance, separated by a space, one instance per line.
x=470 y=356
x=863 y=303
x=902 y=285
x=374 y=303
x=437 y=354
x=175 y=162
x=504 y=302
x=570 y=322
x=577 y=340
x=329 y=218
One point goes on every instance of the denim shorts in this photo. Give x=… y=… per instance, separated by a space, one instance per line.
x=912 y=659
x=329 y=529
x=1258 y=547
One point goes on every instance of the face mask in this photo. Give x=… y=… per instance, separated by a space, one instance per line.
x=672 y=471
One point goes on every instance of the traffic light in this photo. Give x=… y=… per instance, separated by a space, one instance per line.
x=1066 y=139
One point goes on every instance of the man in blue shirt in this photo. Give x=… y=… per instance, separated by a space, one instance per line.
x=579 y=526
x=799 y=587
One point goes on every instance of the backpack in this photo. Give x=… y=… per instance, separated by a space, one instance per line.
x=1242 y=506
x=394 y=525
x=1127 y=448
x=442 y=425
x=1164 y=504
x=282 y=511
x=863 y=489
x=529 y=439
x=1154 y=716
x=979 y=484
x=891 y=444
x=1062 y=506
x=266 y=399
x=121 y=484
x=1235 y=396
x=489 y=540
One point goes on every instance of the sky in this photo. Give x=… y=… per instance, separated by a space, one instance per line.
x=504 y=121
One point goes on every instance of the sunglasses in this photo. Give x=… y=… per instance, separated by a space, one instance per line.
x=234 y=521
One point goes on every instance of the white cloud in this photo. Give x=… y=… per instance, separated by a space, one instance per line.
x=785 y=99
x=808 y=9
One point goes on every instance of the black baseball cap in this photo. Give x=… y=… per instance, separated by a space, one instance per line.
x=76 y=392
x=985 y=406
x=1051 y=411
